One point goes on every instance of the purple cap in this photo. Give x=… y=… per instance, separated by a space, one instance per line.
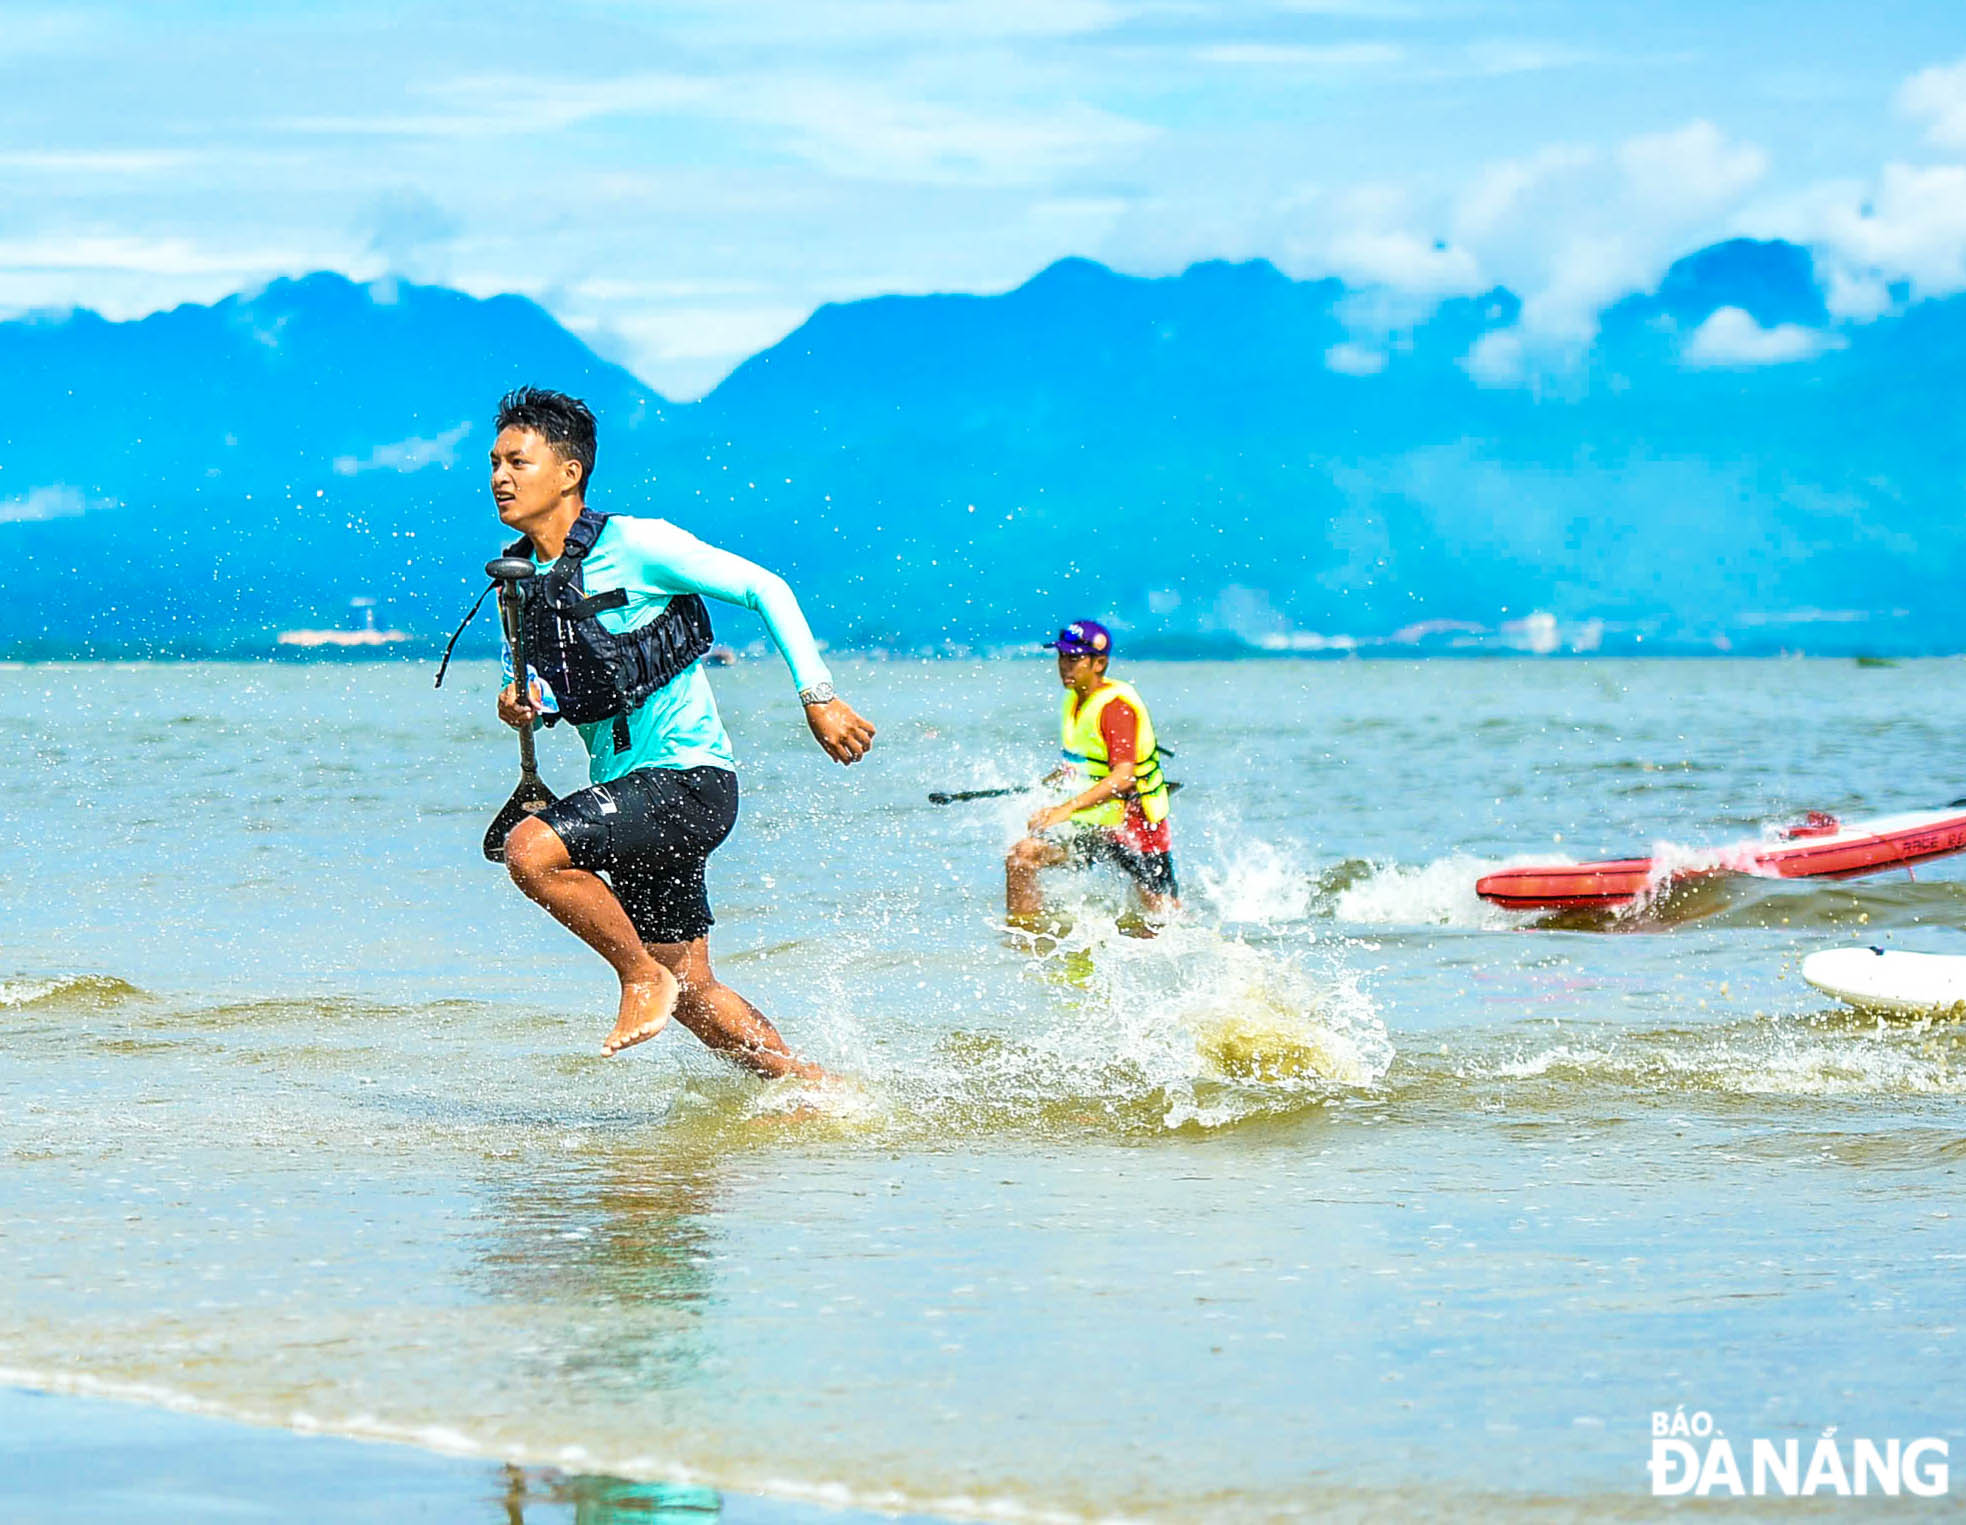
x=1083 y=638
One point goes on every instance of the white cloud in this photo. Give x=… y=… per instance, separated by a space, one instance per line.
x=1406 y=260
x=1078 y=222
x=1521 y=55
x=1368 y=236
x=412 y=454
x=855 y=23
x=1905 y=227
x=1689 y=171
x=506 y=105
x=863 y=134
x=106 y=162
x=124 y=276
x=1584 y=272
x=1343 y=55
x=1408 y=9
x=1911 y=226
x=1936 y=97
x=691 y=348
x=921 y=130
x=56 y=501
x=127 y=253
x=1730 y=336
x=614 y=288
x=53 y=30
x=1569 y=229
x=1572 y=228
x=1498 y=359
x=1351 y=359
x=708 y=333
x=1501 y=191
x=1853 y=295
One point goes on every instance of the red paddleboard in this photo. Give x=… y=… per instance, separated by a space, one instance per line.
x=1817 y=847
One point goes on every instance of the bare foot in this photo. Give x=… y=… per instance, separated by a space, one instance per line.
x=645 y=1009
x=804 y=1069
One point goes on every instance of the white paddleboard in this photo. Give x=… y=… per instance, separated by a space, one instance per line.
x=1877 y=979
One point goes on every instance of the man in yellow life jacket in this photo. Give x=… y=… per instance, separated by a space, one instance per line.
x=1120 y=816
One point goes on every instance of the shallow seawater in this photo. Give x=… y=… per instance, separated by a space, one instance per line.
x=1348 y=1195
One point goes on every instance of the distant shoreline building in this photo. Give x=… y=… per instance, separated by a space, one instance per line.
x=341 y=637
x=364 y=634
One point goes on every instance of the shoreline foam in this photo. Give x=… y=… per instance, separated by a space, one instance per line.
x=161 y=1458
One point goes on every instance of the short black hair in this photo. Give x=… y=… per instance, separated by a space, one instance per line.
x=566 y=423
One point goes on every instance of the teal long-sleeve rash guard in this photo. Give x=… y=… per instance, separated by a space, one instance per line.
x=678 y=726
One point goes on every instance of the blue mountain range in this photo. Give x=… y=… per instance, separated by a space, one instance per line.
x=1214 y=460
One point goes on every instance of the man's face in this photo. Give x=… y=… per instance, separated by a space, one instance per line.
x=529 y=479
x=1076 y=668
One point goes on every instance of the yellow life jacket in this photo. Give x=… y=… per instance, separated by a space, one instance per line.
x=1085 y=750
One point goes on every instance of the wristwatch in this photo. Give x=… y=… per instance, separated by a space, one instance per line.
x=819 y=693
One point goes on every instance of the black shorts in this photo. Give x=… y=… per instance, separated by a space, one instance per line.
x=1088 y=846
x=652 y=832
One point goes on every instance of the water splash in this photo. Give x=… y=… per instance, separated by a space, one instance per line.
x=1256 y=881
x=1189 y=1028
x=1440 y=894
x=85 y=990
x=1828 y=1055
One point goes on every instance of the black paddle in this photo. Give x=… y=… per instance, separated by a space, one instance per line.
x=512 y=574
x=937 y=797
x=940 y=798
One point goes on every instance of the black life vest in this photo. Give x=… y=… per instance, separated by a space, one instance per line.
x=595 y=674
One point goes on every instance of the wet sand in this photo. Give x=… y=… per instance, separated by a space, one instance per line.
x=67 y=1460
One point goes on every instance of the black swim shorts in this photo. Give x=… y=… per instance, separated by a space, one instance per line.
x=1087 y=846
x=651 y=832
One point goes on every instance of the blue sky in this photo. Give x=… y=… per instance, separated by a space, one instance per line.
x=681 y=183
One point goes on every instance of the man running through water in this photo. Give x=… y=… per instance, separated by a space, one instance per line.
x=1120 y=818
x=615 y=632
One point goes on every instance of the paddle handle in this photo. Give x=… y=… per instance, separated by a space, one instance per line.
x=512 y=611
x=528 y=761
x=939 y=797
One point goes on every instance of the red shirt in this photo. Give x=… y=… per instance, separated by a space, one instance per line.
x=1119 y=728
